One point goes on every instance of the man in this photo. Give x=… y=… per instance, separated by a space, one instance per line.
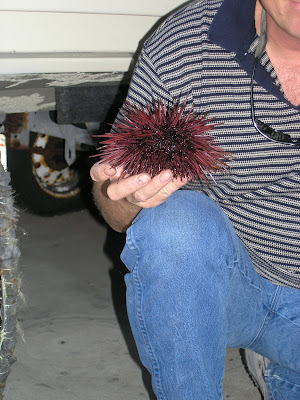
x=217 y=266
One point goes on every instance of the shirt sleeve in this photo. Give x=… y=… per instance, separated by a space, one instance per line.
x=146 y=85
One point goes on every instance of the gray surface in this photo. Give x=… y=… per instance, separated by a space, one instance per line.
x=78 y=345
x=36 y=92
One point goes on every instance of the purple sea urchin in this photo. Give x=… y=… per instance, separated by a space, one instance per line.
x=161 y=137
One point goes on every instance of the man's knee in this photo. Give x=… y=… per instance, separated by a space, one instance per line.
x=188 y=224
x=185 y=213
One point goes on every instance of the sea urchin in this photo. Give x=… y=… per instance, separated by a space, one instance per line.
x=162 y=137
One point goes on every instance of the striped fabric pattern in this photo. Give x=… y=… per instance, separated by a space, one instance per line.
x=260 y=194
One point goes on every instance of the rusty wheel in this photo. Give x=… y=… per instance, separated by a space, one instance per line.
x=42 y=179
x=50 y=170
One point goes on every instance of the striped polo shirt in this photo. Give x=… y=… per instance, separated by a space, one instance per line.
x=205 y=52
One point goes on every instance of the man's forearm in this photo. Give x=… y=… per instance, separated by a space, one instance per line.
x=118 y=214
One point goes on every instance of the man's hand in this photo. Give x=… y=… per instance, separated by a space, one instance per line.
x=128 y=195
x=140 y=190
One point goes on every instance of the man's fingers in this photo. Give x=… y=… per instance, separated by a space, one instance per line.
x=157 y=190
x=153 y=188
x=121 y=189
x=102 y=172
x=138 y=189
x=148 y=197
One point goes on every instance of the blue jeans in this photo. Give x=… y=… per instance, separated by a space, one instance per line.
x=192 y=291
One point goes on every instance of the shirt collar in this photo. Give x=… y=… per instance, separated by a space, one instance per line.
x=233 y=27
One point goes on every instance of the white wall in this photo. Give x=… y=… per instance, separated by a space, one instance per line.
x=42 y=36
x=139 y=7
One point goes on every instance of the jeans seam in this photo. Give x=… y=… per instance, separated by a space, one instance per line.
x=269 y=389
x=285 y=318
x=141 y=322
x=248 y=279
x=267 y=319
x=145 y=336
x=129 y=240
x=269 y=381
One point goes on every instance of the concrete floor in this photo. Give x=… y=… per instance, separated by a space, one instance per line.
x=78 y=344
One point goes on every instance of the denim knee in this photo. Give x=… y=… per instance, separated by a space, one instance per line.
x=176 y=254
x=188 y=224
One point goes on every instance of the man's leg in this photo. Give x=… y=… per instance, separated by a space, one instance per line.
x=180 y=256
x=279 y=340
x=191 y=291
x=282 y=383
